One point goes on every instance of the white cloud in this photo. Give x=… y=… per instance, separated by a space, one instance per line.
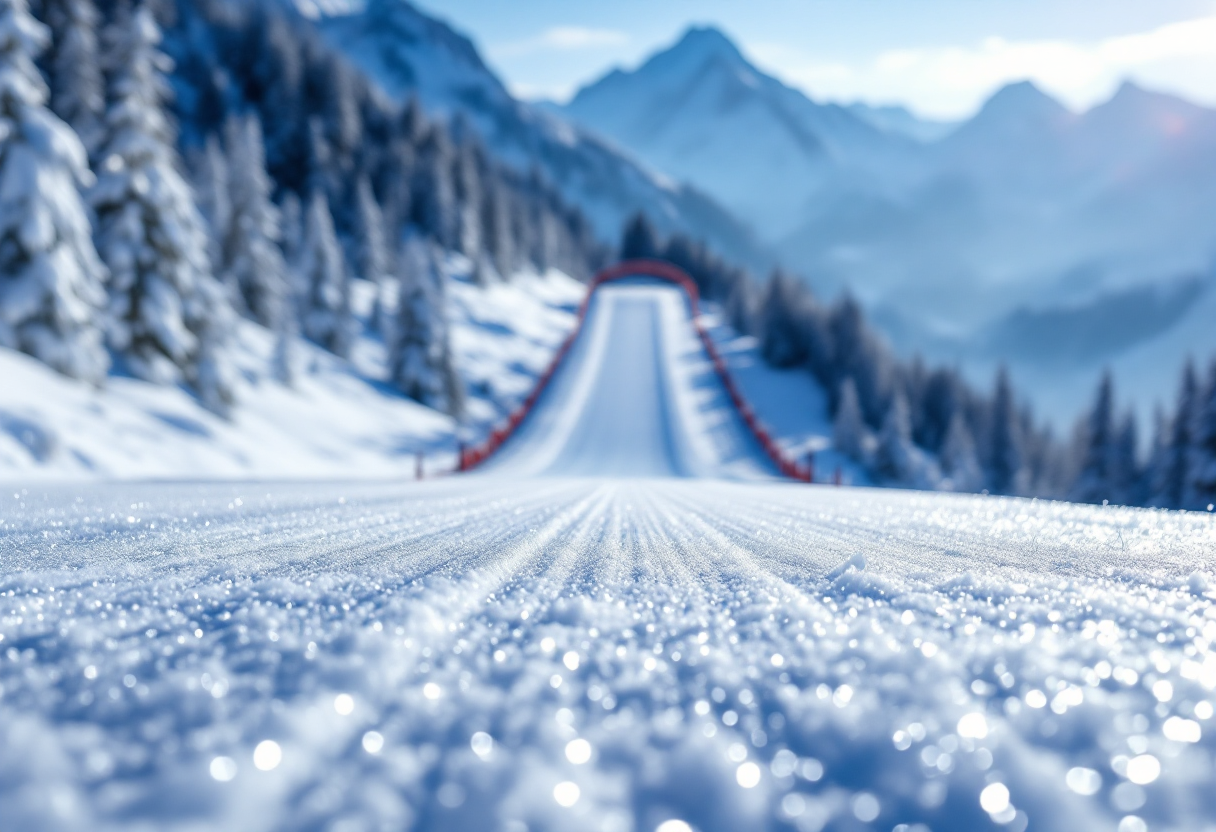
x=561 y=39
x=953 y=81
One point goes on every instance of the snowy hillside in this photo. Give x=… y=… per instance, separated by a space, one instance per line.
x=791 y=403
x=406 y=53
x=339 y=419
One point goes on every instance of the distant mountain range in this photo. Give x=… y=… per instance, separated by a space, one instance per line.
x=902 y=121
x=701 y=113
x=974 y=242
x=406 y=52
x=958 y=237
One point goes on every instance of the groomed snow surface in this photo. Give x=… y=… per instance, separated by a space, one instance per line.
x=685 y=643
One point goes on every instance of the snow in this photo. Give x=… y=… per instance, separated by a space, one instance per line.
x=623 y=624
x=790 y=402
x=638 y=347
x=551 y=653
x=637 y=397
x=338 y=420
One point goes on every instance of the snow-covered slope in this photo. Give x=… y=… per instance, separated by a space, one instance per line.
x=637 y=397
x=405 y=52
x=792 y=405
x=339 y=419
x=600 y=654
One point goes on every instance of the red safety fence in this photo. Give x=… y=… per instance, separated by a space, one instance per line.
x=470 y=458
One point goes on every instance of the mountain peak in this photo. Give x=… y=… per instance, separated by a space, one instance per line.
x=1133 y=96
x=1022 y=97
x=705 y=41
x=1023 y=104
x=1129 y=89
x=683 y=65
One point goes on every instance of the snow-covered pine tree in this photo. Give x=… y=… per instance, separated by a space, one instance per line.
x=254 y=234
x=496 y=221
x=640 y=240
x=1125 y=470
x=397 y=171
x=51 y=280
x=412 y=125
x=958 y=458
x=895 y=459
x=339 y=89
x=1201 y=463
x=523 y=230
x=940 y=400
x=322 y=176
x=850 y=435
x=212 y=373
x=545 y=252
x=780 y=336
x=1006 y=466
x=469 y=196
x=740 y=313
x=421 y=361
x=325 y=301
x=292 y=216
x=170 y=318
x=211 y=184
x=435 y=208
x=283 y=361
x=1096 y=481
x=371 y=258
x=77 y=86
x=857 y=353
x=371 y=249
x=1171 y=472
x=1156 y=456
x=815 y=334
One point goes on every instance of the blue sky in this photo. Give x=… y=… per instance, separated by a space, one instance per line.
x=940 y=57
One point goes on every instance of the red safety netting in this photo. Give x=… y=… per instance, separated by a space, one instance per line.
x=470 y=458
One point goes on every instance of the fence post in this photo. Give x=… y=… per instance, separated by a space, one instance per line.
x=839 y=478
x=418 y=466
x=810 y=467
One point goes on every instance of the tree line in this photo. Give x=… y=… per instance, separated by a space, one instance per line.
x=171 y=165
x=915 y=426
x=1179 y=469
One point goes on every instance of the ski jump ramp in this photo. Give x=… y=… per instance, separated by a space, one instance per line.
x=636 y=397
x=638 y=390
